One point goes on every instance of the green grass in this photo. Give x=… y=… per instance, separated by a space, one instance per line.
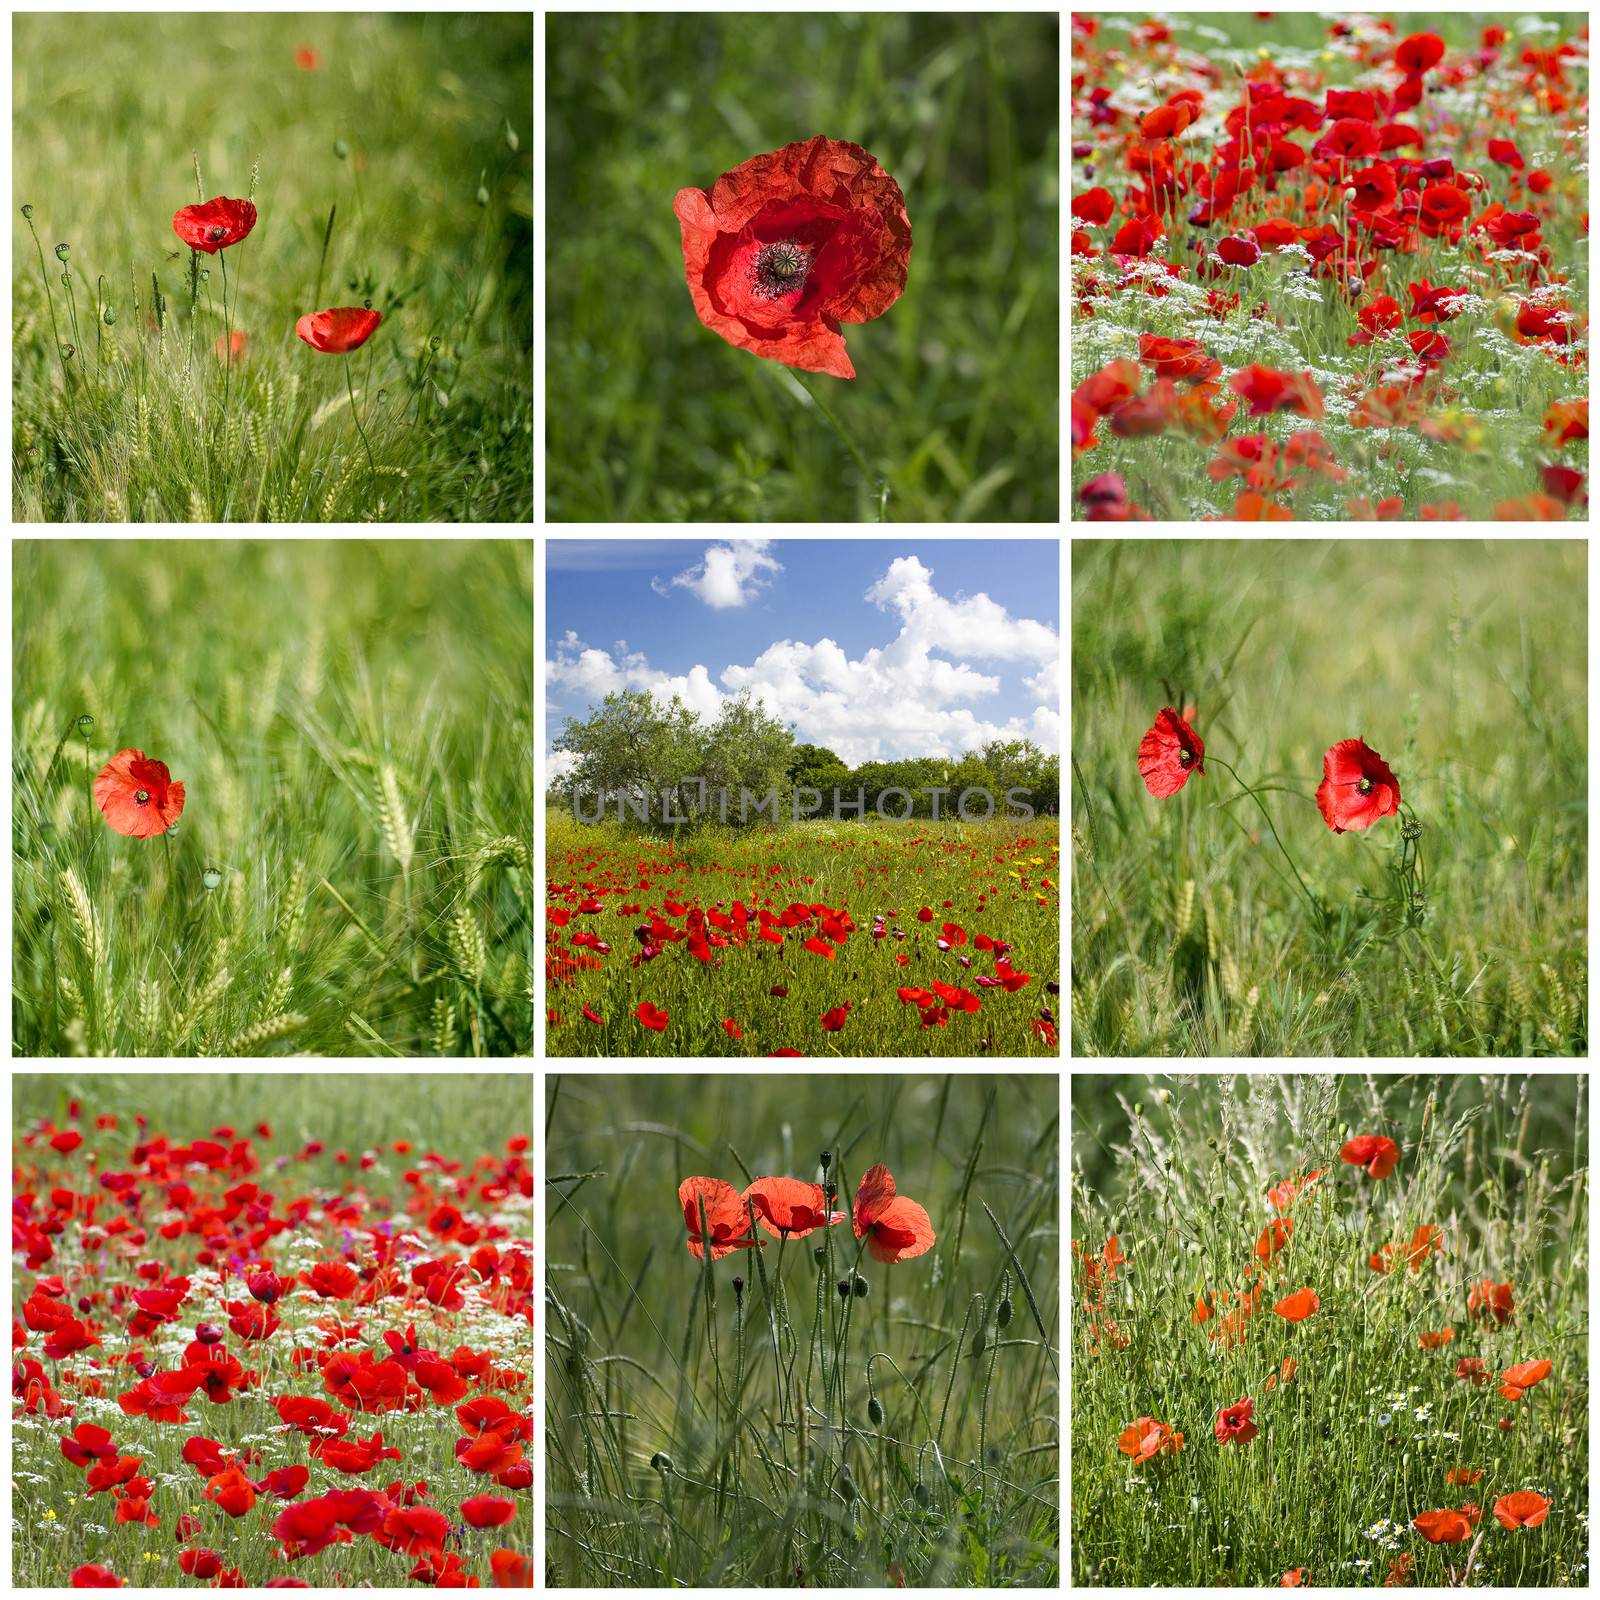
x=992 y=878
x=58 y=1526
x=651 y=1354
x=1464 y=665
x=353 y=726
x=143 y=422
x=653 y=418
x=1179 y=1176
x=1478 y=441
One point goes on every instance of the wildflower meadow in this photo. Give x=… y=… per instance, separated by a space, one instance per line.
x=272 y=268
x=803 y=1332
x=272 y=798
x=1330 y=798
x=273 y=1331
x=1330 y=266
x=1330 y=1330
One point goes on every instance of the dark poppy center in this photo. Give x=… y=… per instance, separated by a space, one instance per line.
x=141 y=797
x=1185 y=756
x=214 y=233
x=780 y=269
x=1365 y=786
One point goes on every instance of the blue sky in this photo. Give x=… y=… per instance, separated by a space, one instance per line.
x=874 y=648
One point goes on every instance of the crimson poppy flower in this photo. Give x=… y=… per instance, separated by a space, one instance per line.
x=232 y=1491
x=787 y=1208
x=1419 y=52
x=1168 y=753
x=1489 y=1299
x=339 y=330
x=1525 y=1508
x=488 y=1511
x=200 y=1563
x=93 y=1576
x=137 y=795
x=1239 y=252
x=214 y=224
x=1357 y=789
x=1373 y=1151
x=1145 y=1437
x=1442 y=205
x=834 y=1019
x=1298 y=1306
x=1267 y=390
x=789 y=244
x=1442 y=1527
x=726 y=1218
x=895 y=1229
x=1094 y=206
x=1234 y=1424
x=654 y=1019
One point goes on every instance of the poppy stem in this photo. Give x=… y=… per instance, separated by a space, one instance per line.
x=357 y=415
x=878 y=482
x=227 y=338
x=1311 y=898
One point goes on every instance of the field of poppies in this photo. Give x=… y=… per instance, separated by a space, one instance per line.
x=245 y=290
x=272 y=797
x=875 y=939
x=1329 y=798
x=272 y=1331
x=804 y=1332
x=1330 y=1330
x=1330 y=267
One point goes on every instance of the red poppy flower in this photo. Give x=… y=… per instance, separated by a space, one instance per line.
x=896 y=1229
x=1178 y=358
x=1435 y=1341
x=1239 y=252
x=1514 y=1381
x=1373 y=1151
x=1442 y=205
x=1234 y=1423
x=834 y=1020
x=1348 y=139
x=1418 y=53
x=1504 y=152
x=789 y=1209
x=726 y=1218
x=788 y=245
x=1267 y=390
x=1357 y=789
x=1274 y=1238
x=338 y=331
x=1093 y=206
x=200 y=1563
x=214 y=224
x=1522 y=1509
x=230 y=347
x=1463 y=1476
x=93 y=1576
x=1168 y=753
x=488 y=1511
x=1146 y=1437
x=232 y=1491
x=137 y=795
x=1292 y=1579
x=1472 y=1370
x=511 y=1570
x=652 y=1018
x=1442 y=1527
x=1298 y=1306
x=306 y=59
x=88 y=1442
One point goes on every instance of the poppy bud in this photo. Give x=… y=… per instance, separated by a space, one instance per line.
x=860 y=1288
x=1002 y=1313
x=340 y=149
x=208 y=1333
x=920 y=1494
x=109 y=315
x=977 y=1343
x=843 y=1286
x=825 y=1160
x=212 y=877
x=819 y=1255
x=662 y=1462
x=144 y=1368
x=85 y=1304
x=63 y=251
x=875 y=1411
x=66 y=280
x=738 y=1288
x=27 y=211
x=847 y=1486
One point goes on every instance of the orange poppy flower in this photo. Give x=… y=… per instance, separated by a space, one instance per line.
x=1425 y=1241
x=725 y=1217
x=1472 y=1512
x=1464 y=1476
x=1298 y=1306
x=1383 y=1260
x=1472 y=1369
x=1293 y=1580
x=1399 y=1573
x=1284 y=1374
x=1515 y=1380
x=1282 y=1195
x=1274 y=1238
x=1202 y=1311
x=1146 y=1437
x=1443 y=1527
x=1436 y=1341
x=789 y=1209
x=1523 y=1509
x=1372 y=1151
x=896 y=1229
x=1489 y=1299
x=137 y=796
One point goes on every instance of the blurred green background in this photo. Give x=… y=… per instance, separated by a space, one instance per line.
x=1463 y=663
x=107 y=108
x=460 y=1116
x=653 y=417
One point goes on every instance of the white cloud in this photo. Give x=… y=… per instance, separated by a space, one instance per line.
x=731 y=574
x=914 y=696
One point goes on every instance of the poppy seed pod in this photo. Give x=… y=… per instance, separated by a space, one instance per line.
x=212 y=877
x=63 y=251
x=875 y=1411
x=27 y=211
x=85 y=720
x=819 y=1254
